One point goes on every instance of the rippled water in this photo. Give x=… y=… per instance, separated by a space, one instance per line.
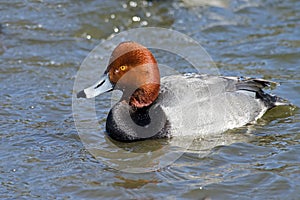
x=42 y=44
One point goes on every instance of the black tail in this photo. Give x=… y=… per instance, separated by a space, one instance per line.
x=257 y=86
x=271 y=100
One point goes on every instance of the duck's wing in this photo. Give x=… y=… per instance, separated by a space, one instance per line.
x=247 y=83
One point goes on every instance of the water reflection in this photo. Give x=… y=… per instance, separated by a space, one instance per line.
x=133 y=184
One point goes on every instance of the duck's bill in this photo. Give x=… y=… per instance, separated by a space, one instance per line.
x=101 y=86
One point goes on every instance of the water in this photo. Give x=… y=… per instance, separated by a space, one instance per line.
x=42 y=44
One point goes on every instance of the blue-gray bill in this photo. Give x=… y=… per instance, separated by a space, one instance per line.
x=101 y=86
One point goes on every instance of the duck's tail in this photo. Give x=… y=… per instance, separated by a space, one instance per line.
x=257 y=86
x=271 y=100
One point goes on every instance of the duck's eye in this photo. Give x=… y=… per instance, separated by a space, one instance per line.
x=123 y=68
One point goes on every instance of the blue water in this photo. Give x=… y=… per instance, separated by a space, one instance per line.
x=42 y=45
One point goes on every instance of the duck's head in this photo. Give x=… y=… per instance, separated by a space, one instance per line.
x=132 y=69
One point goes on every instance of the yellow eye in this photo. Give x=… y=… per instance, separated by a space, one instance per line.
x=123 y=67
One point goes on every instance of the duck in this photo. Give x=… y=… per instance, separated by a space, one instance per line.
x=152 y=107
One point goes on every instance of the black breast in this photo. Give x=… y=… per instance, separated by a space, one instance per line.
x=127 y=124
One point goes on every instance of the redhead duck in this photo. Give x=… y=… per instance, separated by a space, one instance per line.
x=151 y=107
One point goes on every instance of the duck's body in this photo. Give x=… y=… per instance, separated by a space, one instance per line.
x=176 y=105
x=213 y=104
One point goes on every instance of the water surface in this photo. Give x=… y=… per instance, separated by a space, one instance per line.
x=42 y=44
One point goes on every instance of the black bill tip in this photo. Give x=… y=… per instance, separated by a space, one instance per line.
x=81 y=94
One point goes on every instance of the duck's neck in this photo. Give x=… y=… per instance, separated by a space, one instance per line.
x=141 y=86
x=144 y=96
